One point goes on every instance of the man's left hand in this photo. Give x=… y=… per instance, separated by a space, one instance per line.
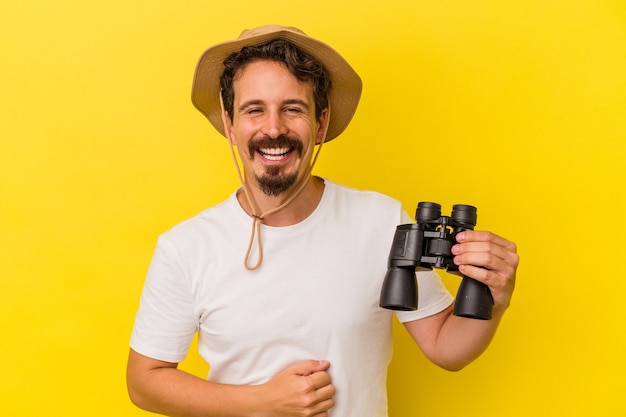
x=490 y=259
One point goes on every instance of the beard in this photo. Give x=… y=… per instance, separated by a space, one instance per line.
x=274 y=181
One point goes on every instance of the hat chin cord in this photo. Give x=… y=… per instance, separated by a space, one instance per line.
x=257 y=219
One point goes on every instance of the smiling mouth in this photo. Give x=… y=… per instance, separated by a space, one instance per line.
x=274 y=154
x=275 y=149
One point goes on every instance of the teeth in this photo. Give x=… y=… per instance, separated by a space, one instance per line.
x=273 y=154
x=274 y=151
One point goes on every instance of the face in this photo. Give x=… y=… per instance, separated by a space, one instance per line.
x=274 y=126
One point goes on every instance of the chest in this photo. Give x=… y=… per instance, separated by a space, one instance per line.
x=305 y=290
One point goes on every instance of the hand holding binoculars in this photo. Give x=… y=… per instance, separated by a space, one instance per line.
x=427 y=244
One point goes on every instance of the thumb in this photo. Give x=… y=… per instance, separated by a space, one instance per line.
x=309 y=367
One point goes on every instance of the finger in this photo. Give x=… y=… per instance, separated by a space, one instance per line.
x=321 y=408
x=482 y=254
x=309 y=367
x=506 y=252
x=486 y=256
x=489 y=272
x=325 y=389
x=325 y=399
x=487 y=268
x=501 y=284
x=320 y=379
x=485 y=236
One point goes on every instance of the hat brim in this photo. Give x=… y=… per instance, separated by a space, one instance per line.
x=346 y=83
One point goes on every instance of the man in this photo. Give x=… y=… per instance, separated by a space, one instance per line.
x=291 y=327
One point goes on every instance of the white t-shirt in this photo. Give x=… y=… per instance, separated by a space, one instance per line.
x=315 y=296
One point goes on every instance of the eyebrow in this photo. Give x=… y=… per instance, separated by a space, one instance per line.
x=286 y=102
x=299 y=102
x=249 y=103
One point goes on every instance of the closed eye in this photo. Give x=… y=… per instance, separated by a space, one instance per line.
x=251 y=107
x=296 y=106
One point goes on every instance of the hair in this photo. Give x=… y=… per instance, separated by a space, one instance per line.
x=298 y=62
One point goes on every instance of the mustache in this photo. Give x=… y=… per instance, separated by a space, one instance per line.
x=280 y=141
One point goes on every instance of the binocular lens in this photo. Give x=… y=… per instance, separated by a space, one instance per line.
x=465 y=214
x=427 y=212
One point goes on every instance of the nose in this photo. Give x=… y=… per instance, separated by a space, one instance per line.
x=275 y=124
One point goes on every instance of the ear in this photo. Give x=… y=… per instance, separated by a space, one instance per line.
x=322 y=126
x=228 y=127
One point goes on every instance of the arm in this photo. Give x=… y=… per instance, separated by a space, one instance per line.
x=453 y=342
x=302 y=389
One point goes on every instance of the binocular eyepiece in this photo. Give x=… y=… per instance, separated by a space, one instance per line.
x=427 y=244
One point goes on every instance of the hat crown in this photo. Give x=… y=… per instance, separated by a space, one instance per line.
x=262 y=30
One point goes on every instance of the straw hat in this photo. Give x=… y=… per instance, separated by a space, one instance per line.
x=346 y=83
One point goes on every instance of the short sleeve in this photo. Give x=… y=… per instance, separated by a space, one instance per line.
x=433 y=297
x=165 y=324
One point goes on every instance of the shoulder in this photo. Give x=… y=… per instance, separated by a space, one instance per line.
x=355 y=196
x=206 y=223
x=364 y=204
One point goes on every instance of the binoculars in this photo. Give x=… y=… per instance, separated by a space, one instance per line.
x=425 y=245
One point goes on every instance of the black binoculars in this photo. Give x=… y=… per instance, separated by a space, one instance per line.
x=427 y=244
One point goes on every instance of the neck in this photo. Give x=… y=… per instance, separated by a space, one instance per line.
x=301 y=206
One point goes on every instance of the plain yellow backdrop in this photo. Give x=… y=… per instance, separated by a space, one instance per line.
x=515 y=107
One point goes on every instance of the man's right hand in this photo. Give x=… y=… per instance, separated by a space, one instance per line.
x=302 y=389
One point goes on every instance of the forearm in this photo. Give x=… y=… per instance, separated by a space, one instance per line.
x=462 y=340
x=453 y=342
x=303 y=388
x=172 y=392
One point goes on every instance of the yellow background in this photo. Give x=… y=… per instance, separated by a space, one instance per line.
x=515 y=107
